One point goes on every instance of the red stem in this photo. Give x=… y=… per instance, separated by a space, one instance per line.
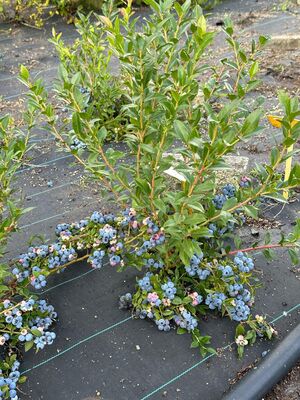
x=268 y=246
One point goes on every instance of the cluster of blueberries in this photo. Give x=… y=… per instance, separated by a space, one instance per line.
x=228 y=191
x=107 y=234
x=145 y=283
x=63 y=255
x=154 y=299
x=77 y=144
x=8 y=385
x=169 y=290
x=186 y=321
x=30 y=265
x=214 y=229
x=156 y=240
x=245 y=182
x=21 y=270
x=29 y=321
x=96 y=259
x=226 y=270
x=163 y=324
x=46 y=338
x=244 y=263
x=129 y=218
x=215 y=300
x=194 y=269
x=151 y=263
x=125 y=301
x=57 y=255
x=239 y=298
x=241 y=311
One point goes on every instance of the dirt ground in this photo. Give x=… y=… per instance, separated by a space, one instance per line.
x=288 y=388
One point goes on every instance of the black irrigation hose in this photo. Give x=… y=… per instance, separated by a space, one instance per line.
x=275 y=367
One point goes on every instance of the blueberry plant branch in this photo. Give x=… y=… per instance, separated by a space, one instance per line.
x=263 y=247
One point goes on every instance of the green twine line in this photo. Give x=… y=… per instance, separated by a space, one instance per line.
x=64 y=282
x=53 y=216
x=77 y=344
x=285 y=313
x=70 y=280
x=129 y=318
x=206 y=358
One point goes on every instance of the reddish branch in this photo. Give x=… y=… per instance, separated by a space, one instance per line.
x=265 y=247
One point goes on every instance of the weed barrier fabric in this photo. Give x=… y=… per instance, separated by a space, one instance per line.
x=101 y=349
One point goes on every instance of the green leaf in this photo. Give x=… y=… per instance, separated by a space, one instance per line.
x=76 y=123
x=22 y=379
x=177 y=300
x=240 y=350
x=294 y=256
x=102 y=134
x=253 y=69
x=251 y=211
x=36 y=332
x=239 y=330
x=24 y=73
x=263 y=40
x=29 y=345
x=181 y=131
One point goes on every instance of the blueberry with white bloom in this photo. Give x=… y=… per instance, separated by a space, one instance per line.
x=234 y=289
x=229 y=190
x=96 y=258
x=245 y=296
x=114 y=260
x=163 y=325
x=215 y=300
x=62 y=228
x=212 y=228
x=226 y=270
x=219 y=200
x=169 y=290
x=145 y=283
x=244 y=263
x=38 y=281
x=240 y=312
x=77 y=144
x=203 y=273
x=97 y=217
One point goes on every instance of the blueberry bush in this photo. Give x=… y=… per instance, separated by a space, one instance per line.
x=35 y=12
x=85 y=63
x=24 y=320
x=181 y=117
